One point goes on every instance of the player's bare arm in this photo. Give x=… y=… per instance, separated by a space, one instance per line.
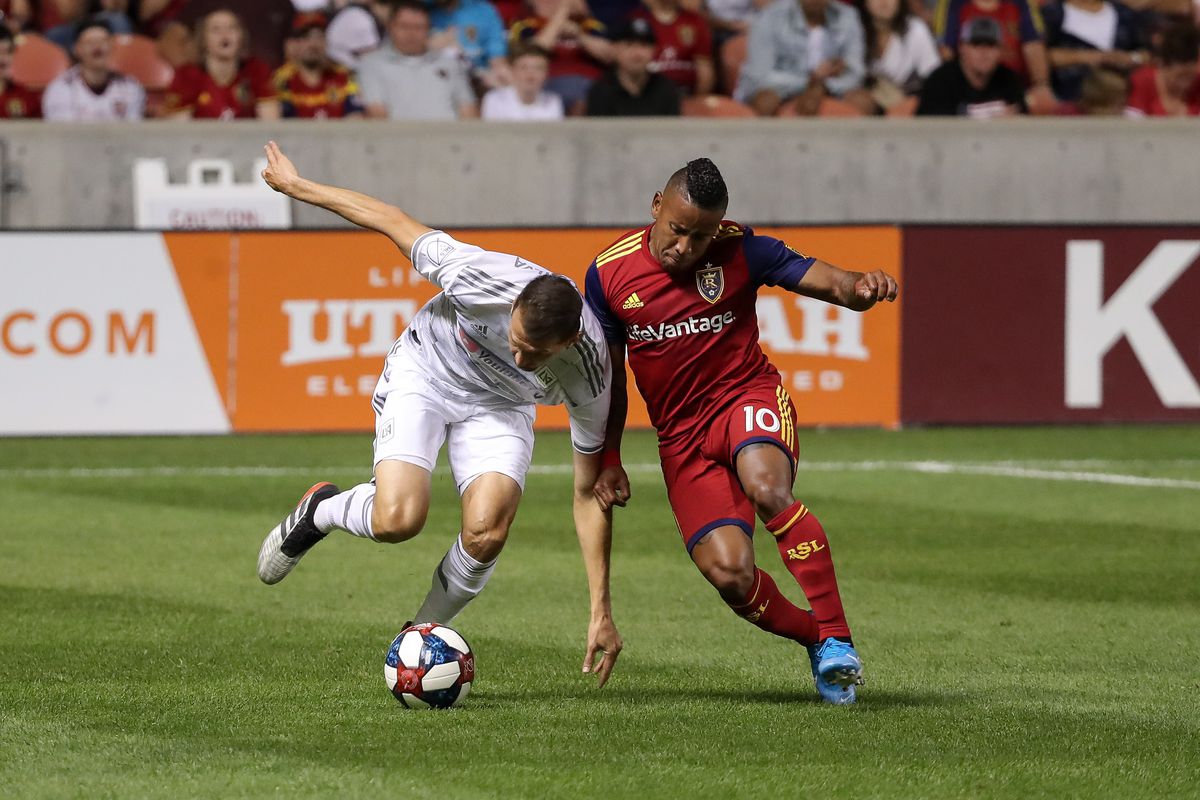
x=857 y=291
x=365 y=211
x=612 y=486
x=593 y=525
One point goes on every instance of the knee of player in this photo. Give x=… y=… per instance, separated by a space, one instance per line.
x=483 y=540
x=732 y=578
x=769 y=496
x=397 y=522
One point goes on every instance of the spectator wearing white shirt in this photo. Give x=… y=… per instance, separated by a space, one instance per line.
x=404 y=79
x=900 y=51
x=525 y=99
x=90 y=91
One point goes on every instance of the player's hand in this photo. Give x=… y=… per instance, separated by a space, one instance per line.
x=603 y=641
x=612 y=488
x=875 y=287
x=280 y=174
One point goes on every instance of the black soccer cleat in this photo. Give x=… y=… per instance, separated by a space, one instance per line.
x=288 y=541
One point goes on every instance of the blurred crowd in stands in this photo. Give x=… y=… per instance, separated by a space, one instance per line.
x=93 y=60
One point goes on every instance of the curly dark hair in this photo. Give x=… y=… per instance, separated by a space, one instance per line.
x=701 y=184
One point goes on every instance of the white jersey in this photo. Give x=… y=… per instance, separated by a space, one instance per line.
x=69 y=99
x=461 y=339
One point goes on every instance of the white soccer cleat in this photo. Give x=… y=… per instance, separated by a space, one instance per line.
x=288 y=541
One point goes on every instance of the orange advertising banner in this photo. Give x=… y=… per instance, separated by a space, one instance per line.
x=312 y=315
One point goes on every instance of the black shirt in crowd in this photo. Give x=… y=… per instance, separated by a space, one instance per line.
x=947 y=93
x=608 y=98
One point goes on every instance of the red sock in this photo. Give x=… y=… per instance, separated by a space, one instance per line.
x=767 y=608
x=805 y=551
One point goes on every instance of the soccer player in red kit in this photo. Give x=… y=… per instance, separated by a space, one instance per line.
x=680 y=296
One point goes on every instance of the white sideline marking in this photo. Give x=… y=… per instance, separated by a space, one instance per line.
x=1046 y=470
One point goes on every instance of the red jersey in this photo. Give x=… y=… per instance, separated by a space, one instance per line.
x=568 y=57
x=335 y=96
x=195 y=89
x=18 y=102
x=680 y=43
x=1144 y=99
x=692 y=340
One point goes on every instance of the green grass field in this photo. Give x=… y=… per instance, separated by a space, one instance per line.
x=1030 y=626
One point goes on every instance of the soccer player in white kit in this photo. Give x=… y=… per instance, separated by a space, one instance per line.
x=502 y=336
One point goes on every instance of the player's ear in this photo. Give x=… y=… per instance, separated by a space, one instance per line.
x=656 y=205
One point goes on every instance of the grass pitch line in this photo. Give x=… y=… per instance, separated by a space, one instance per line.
x=1034 y=469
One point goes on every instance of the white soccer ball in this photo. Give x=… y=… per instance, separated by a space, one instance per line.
x=429 y=666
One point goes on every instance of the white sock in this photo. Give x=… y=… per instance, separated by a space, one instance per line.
x=350 y=511
x=456 y=581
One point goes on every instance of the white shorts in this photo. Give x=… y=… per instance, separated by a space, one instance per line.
x=413 y=419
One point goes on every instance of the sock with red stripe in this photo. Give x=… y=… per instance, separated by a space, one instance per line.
x=805 y=551
x=766 y=607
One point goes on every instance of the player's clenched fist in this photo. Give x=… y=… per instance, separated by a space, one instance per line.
x=875 y=287
x=280 y=174
x=612 y=488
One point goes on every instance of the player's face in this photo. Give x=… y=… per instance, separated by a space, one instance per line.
x=92 y=47
x=527 y=354
x=222 y=35
x=681 y=233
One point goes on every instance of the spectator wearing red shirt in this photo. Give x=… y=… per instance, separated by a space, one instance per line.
x=685 y=45
x=1170 y=87
x=309 y=84
x=16 y=101
x=225 y=84
x=266 y=23
x=1022 y=43
x=575 y=40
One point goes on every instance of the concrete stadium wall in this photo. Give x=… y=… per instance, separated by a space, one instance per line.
x=602 y=172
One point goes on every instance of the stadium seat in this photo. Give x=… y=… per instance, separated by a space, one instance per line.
x=37 y=61
x=733 y=54
x=830 y=107
x=137 y=57
x=715 y=105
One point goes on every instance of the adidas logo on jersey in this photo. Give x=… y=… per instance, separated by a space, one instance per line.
x=633 y=301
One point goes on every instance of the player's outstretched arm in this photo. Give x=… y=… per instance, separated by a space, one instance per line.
x=594 y=528
x=612 y=484
x=854 y=290
x=365 y=211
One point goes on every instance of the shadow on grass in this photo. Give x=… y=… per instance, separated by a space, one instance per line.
x=651 y=696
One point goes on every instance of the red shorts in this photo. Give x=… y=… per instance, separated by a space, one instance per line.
x=701 y=472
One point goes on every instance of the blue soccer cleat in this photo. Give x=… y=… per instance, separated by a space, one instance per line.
x=836 y=671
